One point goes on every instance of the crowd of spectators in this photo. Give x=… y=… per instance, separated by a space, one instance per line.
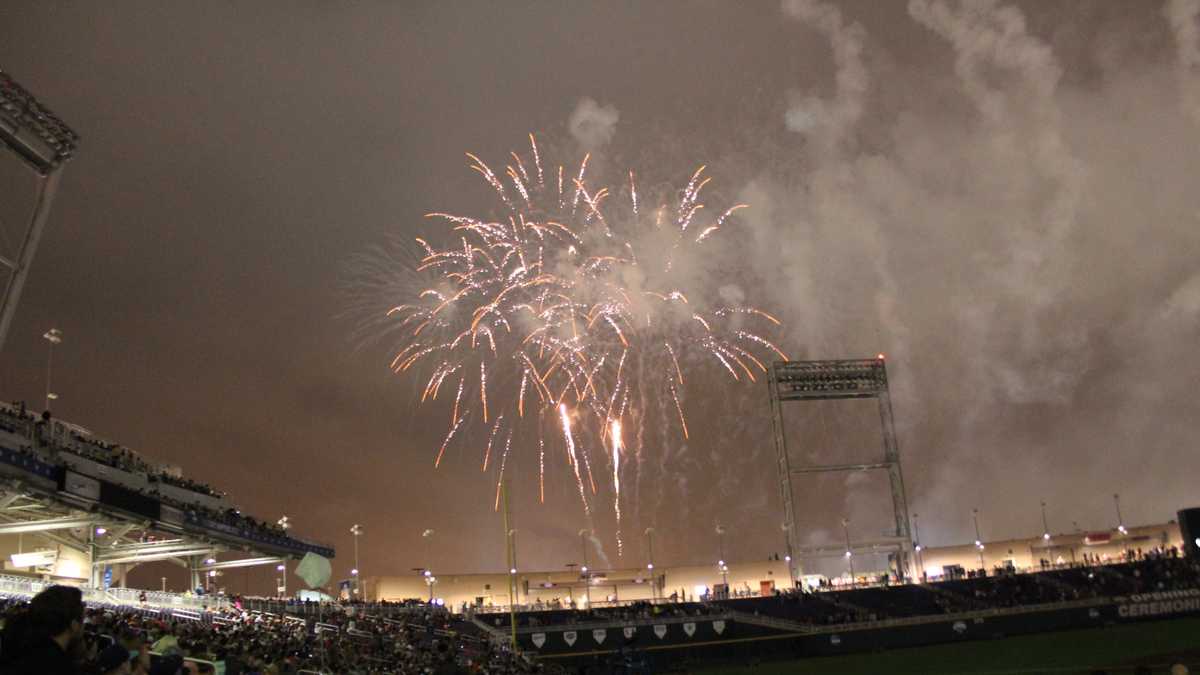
x=56 y=634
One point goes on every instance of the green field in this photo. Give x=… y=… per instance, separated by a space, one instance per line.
x=1113 y=650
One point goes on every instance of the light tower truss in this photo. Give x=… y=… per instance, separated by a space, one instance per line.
x=44 y=143
x=800 y=381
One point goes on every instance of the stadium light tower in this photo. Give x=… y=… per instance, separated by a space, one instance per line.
x=357 y=530
x=837 y=380
x=44 y=143
x=53 y=337
x=1120 y=521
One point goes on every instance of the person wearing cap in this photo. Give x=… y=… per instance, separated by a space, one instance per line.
x=114 y=660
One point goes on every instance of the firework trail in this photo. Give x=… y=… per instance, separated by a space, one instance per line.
x=615 y=435
x=573 y=307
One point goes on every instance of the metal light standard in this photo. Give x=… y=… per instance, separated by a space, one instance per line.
x=53 y=336
x=1120 y=521
x=426 y=538
x=978 y=540
x=849 y=553
x=587 y=579
x=356 y=530
x=650 y=562
x=1045 y=526
x=282 y=569
x=917 y=545
x=721 y=559
x=430 y=581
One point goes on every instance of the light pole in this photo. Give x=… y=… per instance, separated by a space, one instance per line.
x=917 y=544
x=1045 y=526
x=849 y=553
x=721 y=558
x=357 y=530
x=430 y=581
x=53 y=336
x=978 y=540
x=650 y=562
x=787 y=557
x=1120 y=521
x=284 y=524
x=587 y=580
x=164 y=584
x=282 y=569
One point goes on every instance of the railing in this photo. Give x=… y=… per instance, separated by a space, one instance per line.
x=639 y=621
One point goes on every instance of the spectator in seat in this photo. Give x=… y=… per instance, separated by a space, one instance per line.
x=48 y=638
x=113 y=661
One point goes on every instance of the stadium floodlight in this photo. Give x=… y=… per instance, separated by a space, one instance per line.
x=210 y=561
x=1120 y=520
x=100 y=531
x=29 y=129
x=512 y=570
x=279 y=568
x=43 y=142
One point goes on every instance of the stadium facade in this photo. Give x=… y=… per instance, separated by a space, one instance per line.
x=759 y=577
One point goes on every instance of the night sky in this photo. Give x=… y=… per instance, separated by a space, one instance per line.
x=1000 y=197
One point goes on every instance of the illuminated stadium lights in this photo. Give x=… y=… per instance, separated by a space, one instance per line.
x=279 y=568
x=210 y=561
x=512 y=570
x=100 y=531
x=1046 y=536
x=855 y=378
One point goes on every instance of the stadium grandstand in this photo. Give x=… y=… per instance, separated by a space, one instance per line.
x=82 y=510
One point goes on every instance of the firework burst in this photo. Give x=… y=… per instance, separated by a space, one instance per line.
x=567 y=308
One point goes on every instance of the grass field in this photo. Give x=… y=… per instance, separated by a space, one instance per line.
x=1113 y=650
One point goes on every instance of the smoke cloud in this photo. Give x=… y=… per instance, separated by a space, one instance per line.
x=827 y=121
x=1184 y=16
x=593 y=125
x=1019 y=239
